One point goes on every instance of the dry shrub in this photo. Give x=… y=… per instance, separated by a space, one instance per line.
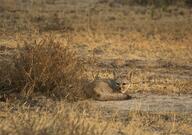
x=44 y=67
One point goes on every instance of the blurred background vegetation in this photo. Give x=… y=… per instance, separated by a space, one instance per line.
x=157 y=3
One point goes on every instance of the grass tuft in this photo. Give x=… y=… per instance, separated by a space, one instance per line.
x=44 y=67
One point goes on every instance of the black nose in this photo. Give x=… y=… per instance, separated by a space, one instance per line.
x=118 y=86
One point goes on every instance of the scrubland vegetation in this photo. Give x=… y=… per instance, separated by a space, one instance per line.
x=50 y=48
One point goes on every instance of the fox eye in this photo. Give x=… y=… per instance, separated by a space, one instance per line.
x=118 y=83
x=124 y=83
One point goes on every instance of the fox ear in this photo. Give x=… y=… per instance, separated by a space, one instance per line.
x=114 y=74
x=130 y=75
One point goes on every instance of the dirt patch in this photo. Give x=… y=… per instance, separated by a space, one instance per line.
x=150 y=103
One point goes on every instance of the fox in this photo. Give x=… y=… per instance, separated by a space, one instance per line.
x=108 y=89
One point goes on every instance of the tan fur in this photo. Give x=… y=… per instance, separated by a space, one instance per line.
x=105 y=90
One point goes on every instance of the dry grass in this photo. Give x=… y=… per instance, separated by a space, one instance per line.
x=43 y=66
x=57 y=119
x=154 y=43
x=83 y=119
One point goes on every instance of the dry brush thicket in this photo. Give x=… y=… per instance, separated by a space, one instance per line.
x=43 y=67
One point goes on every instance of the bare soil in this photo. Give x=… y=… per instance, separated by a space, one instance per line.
x=151 y=103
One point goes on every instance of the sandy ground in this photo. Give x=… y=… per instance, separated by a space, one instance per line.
x=151 y=103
